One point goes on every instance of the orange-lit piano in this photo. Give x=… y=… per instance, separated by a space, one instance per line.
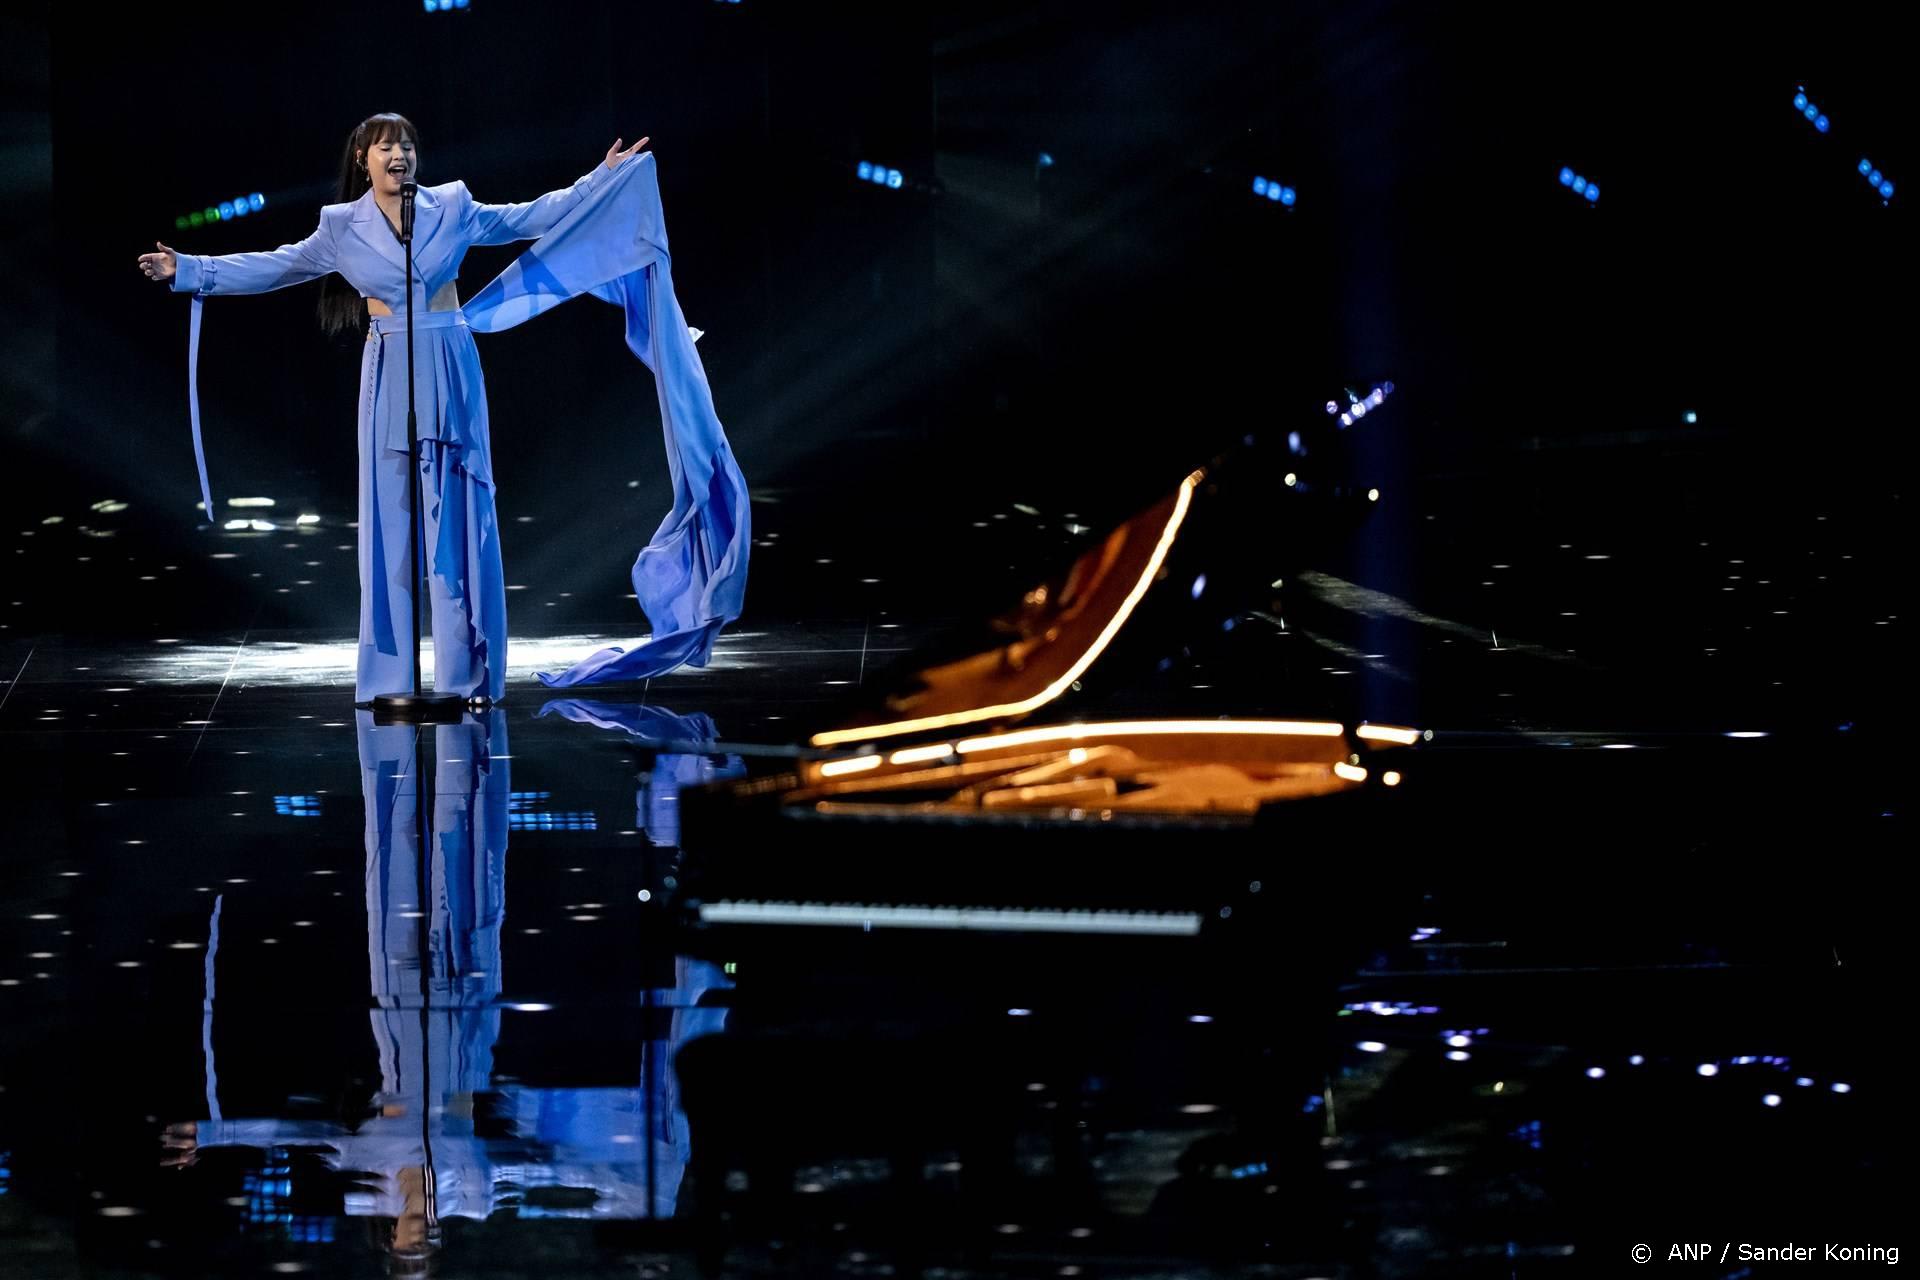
x=964 y=792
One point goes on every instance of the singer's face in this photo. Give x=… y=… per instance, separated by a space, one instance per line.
x=391 y=162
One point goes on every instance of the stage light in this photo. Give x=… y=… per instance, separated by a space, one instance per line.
x=1580 y=185
x=1274 y=191
x=1877 y=180
x=1816 y=117
x=1772 y=1099
x=880 y=175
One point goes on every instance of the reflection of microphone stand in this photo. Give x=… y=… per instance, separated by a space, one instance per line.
x=414 y=706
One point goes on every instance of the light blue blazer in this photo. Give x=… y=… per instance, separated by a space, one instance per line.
x=356 y=240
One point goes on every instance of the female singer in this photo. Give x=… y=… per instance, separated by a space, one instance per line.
x=359 y=240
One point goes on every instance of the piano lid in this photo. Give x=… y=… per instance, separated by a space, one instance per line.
x=1033 y=653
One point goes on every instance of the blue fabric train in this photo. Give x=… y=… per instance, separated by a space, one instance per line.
x=605 y=236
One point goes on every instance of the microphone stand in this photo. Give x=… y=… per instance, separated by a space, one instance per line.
x=415 y=706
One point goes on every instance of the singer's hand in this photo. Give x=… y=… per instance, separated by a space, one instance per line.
x=160 y=266
x=615 y=155
x=180 y=1145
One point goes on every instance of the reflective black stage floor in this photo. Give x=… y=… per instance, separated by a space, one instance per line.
x=1573 y=999
x=1624 y=961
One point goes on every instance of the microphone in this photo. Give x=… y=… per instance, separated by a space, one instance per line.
x=406 y=211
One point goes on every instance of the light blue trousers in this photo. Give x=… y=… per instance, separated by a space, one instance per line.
x=460 y=530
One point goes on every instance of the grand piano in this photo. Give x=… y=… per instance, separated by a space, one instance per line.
x=1043 y=772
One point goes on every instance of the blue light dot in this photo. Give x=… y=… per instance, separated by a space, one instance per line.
x=1259 y=186
x=1821 y=124
x=1866 y=167
x=1800 y=101
x=226 y=210
x=865 y=171
x=1046 y=160
x=1593 y=192
x=1566 y=177
x=1580 y=185
x=257 y=200
x=894 y=179
x=1199 y=585
x=1810 y=111
x=1273 y=191
x=1886 y=191
x=1288 y=196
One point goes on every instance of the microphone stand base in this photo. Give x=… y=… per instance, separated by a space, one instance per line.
x=418 y=708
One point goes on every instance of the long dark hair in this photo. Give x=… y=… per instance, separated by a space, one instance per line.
x=342 y=310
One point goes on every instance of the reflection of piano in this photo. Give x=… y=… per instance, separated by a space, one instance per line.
x=1009 y=779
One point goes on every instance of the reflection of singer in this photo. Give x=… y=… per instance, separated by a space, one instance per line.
x=691 y=578
x=434 y=920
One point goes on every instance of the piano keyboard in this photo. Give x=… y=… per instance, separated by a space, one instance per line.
x=1168 y=924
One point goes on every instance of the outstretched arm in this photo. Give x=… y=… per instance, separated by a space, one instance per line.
x=243 y=272
x=503 y=223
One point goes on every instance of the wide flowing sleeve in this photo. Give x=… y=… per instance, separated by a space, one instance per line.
x=204 y=275
x=505 y=223
x=691 y=577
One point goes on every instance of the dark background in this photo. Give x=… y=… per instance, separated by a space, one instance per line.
x=892 y=366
